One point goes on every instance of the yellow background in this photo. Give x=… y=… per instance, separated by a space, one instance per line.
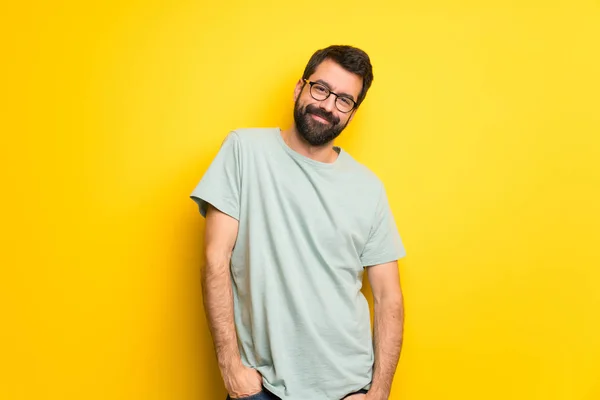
x=483 y=122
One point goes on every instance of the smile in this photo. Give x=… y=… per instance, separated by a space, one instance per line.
x=319 y=118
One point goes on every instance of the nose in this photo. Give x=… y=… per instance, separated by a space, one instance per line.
x=328 y=104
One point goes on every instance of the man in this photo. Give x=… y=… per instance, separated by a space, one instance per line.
x=291 y=224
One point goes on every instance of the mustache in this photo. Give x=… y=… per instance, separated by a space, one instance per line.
x=329 y=117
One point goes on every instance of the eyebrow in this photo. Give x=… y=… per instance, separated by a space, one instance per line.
x=342 y=94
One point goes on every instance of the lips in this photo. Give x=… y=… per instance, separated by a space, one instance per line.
x=319 y=112
x=320 y=118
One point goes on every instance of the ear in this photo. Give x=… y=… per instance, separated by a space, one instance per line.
x=298 y=89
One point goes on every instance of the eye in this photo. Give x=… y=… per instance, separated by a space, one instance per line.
x=346 y=101
x=320 y=89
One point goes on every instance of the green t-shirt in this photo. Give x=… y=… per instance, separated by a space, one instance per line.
x=306 y=231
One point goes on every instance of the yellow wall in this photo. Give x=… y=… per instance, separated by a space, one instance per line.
x=483 y=122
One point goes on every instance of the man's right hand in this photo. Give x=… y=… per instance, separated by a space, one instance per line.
x=358 y=396
x=243 y=382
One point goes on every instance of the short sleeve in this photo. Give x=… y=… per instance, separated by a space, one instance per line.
x=221 y=184
x=384 y=243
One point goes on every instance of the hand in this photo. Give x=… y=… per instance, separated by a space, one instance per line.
x=243 y=382
x=358 y=396
x=361 y=396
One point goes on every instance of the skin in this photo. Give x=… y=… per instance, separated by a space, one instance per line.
x=388 y=329
x=339 y=81
x=221 y=234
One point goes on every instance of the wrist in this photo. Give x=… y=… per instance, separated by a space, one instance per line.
x=376 y=394
x=230 y=367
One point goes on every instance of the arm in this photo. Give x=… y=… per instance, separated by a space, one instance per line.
x=220 y=236
x=388 y=329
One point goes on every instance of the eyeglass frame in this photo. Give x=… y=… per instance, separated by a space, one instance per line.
x=337 y=96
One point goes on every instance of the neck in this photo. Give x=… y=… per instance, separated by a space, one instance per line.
x=324 y=154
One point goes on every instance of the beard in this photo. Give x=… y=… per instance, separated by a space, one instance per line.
x=314 y=132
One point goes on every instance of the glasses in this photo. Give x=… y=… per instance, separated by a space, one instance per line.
x=321 y=92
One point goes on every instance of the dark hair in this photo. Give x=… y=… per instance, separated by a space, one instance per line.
x=350 y=58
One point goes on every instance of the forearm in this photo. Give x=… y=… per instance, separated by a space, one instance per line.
x=388 y=332
x=218 y=306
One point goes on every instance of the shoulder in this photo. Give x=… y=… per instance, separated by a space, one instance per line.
x=249 y=140
x=254 y=137
x=362 y=174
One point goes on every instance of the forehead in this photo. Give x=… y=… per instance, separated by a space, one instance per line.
x=337 y=78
